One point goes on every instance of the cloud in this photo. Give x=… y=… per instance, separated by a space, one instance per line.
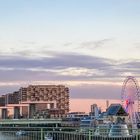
x=79 y=89
x=86 y=76
x=57 y=61
x=65 y=67
x=68 y=44
x=137 y=45
x=132 y=65
x=55 y=68
x=96 y=91
x=28 y=42
x=24 y=48
x=95 y=44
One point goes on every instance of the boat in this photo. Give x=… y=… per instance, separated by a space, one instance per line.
x=48 y=136
x=102 y=130
x=119 y=130
x=86 y=121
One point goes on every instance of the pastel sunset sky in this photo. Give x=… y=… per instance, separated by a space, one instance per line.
x=88 y=45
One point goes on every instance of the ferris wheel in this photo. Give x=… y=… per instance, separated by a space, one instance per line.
x=131 y=98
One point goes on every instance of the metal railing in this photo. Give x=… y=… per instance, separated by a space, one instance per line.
x=62 y=133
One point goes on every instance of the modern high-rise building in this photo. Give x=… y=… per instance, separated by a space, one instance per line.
x=94 y=110
x=36 y=101
x=107 y=104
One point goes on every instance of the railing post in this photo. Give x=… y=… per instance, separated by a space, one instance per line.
x=89 y=135
x=41 y=133
x=137 y=134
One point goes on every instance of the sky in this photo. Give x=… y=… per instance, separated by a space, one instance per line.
x=88 y=45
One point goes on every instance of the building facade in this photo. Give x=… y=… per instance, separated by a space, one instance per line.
x=94 y=110
x=36 y=101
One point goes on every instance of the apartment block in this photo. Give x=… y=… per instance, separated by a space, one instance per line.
x=37 y=101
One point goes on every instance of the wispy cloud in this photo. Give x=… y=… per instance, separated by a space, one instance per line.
x=95 y=44
x=68 y=44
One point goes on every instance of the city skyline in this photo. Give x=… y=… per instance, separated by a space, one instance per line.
x=91 y=45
